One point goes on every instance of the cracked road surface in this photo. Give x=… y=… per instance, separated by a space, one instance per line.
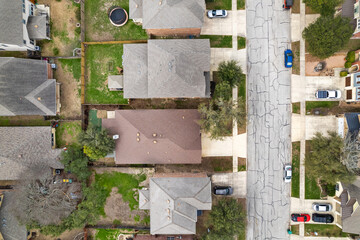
x=269 y=118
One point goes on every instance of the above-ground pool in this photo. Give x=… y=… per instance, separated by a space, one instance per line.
x=118 y=16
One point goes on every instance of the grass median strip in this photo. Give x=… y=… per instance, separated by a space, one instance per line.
x=295 y=181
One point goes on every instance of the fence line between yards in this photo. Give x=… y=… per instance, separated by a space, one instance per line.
x=82 y=20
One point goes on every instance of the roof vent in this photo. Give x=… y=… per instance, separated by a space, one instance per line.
x=138 y=134
x=138 y=139
x=154 y=141
x=159 y=2
x=20 y=156
x=183 y=117
x=168 y=218
x=36 y=26
x=39 y=98
x=154 y=134
x=136 y=6
x=168 y=210
x=168 y=201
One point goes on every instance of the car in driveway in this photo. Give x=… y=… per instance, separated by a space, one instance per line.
x=217 y=13
x=222 y=190
x=322 y=218
x=287 y=173
x=322 y=207
x=296 y=217
x=328 y=94
x=287 y=4
x=288 y=58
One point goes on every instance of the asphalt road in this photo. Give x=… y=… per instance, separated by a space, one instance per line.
x=269 y=119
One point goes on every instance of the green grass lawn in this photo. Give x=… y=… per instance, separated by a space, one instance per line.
x=312 y=190
x=242 y=90
x=67 y=132
x=98 y=26
x=295 y=229
x=295 y=181
x=324 y=230
x=73 y=66
x=310 y=105
x=24 y=121
x=295 y=48
x=101 y=61
x=240 y=4
x=241 y=42
x=127 y=185
x=93 y=119
x=218 y=4
x=296 y=107
x=219 y=41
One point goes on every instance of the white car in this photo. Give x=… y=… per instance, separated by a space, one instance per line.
x=328 y=94
x=322 y=207
x=287 y=173
x=217 y=13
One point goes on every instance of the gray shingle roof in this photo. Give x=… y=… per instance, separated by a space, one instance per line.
x=167 y=14
x=174 y=203
x=11 y=25
x=175 y=68
x=21 y=147
x=25 y=88
x=36 y=27
x=350 y=218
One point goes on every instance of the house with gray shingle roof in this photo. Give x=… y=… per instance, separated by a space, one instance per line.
x=174 y=201
x=169 y=17
x=23 y=147
x=22 y=23
x=27 y=88
x=347 y=209
x=167 y=68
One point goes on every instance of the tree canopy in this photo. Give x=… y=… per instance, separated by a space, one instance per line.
x=327 y=35
x=227 y=218
x=324 y=7
x=324 y=159
x=230 y=72
x=76 y=162
x=217 y=116
x=97 y=143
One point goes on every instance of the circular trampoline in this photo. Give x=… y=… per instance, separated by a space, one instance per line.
x=118 y=16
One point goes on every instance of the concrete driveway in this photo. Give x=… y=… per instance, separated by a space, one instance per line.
x=236 y=180
x=295 y=24
x=219 y=55
x=223 y=26
x=307 y=90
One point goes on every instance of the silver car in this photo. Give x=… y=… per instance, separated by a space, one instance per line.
x=287 y=173
x=322 y=207
x=217 y=13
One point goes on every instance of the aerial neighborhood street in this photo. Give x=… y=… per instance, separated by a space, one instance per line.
x=179 y=119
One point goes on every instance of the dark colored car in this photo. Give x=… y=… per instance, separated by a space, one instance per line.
x=288 y=4
x=300 y=217
x=322 y=218
x=219 y=190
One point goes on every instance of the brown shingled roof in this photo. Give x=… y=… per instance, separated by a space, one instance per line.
x=156 y=136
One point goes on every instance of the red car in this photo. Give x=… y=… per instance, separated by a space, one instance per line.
x=300 y=217
x=288 y=4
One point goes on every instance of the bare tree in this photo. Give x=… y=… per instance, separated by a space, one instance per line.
x=351 y=157
x=42 y=199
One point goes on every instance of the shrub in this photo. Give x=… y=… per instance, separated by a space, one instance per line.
x=350 y=57
x=343 y=73
x=56 y=51
x=347 y=64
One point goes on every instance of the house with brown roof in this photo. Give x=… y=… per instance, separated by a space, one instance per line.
x=164 y=136
x=169 y=17
x=347 y=210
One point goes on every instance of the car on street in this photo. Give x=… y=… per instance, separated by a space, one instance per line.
x=221 y=190
x=296 y=217
x=217 y=13
x=288 y=58
x=322 y=207
x=288 y=4
x=287 y=173
x=328 y=94
x=322 y=218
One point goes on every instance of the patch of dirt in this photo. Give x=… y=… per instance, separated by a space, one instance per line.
x=63 y=20
x=117 y=209
x=336 y=61
x=69 y=95
x=67 y=235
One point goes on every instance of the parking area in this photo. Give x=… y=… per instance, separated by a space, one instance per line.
x=236 y=180
x=224 y=26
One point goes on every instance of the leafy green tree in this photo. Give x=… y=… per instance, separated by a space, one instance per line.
x=227 y=219
x=324 y=7
x=230 y=72
x=223 y=90
x=217 y=116
x=97 y=143
x=324 y=160
x=76 y=162
x=327 y=35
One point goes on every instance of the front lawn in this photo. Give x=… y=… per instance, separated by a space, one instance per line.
x=296 y=107
x=99 y=28
x=103 y=60
x=218 y=4
x=312 y=190
x=240 y=4
x=311 y=105
x=219 y=41
x=67 y=132
x=295 y=181
x=324 y=230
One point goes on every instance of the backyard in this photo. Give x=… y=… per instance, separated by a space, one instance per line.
x=99 y=28
x=65 y=35
x=295 y=181
x=67 y=132
x=103 y=60
x=23 y=121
